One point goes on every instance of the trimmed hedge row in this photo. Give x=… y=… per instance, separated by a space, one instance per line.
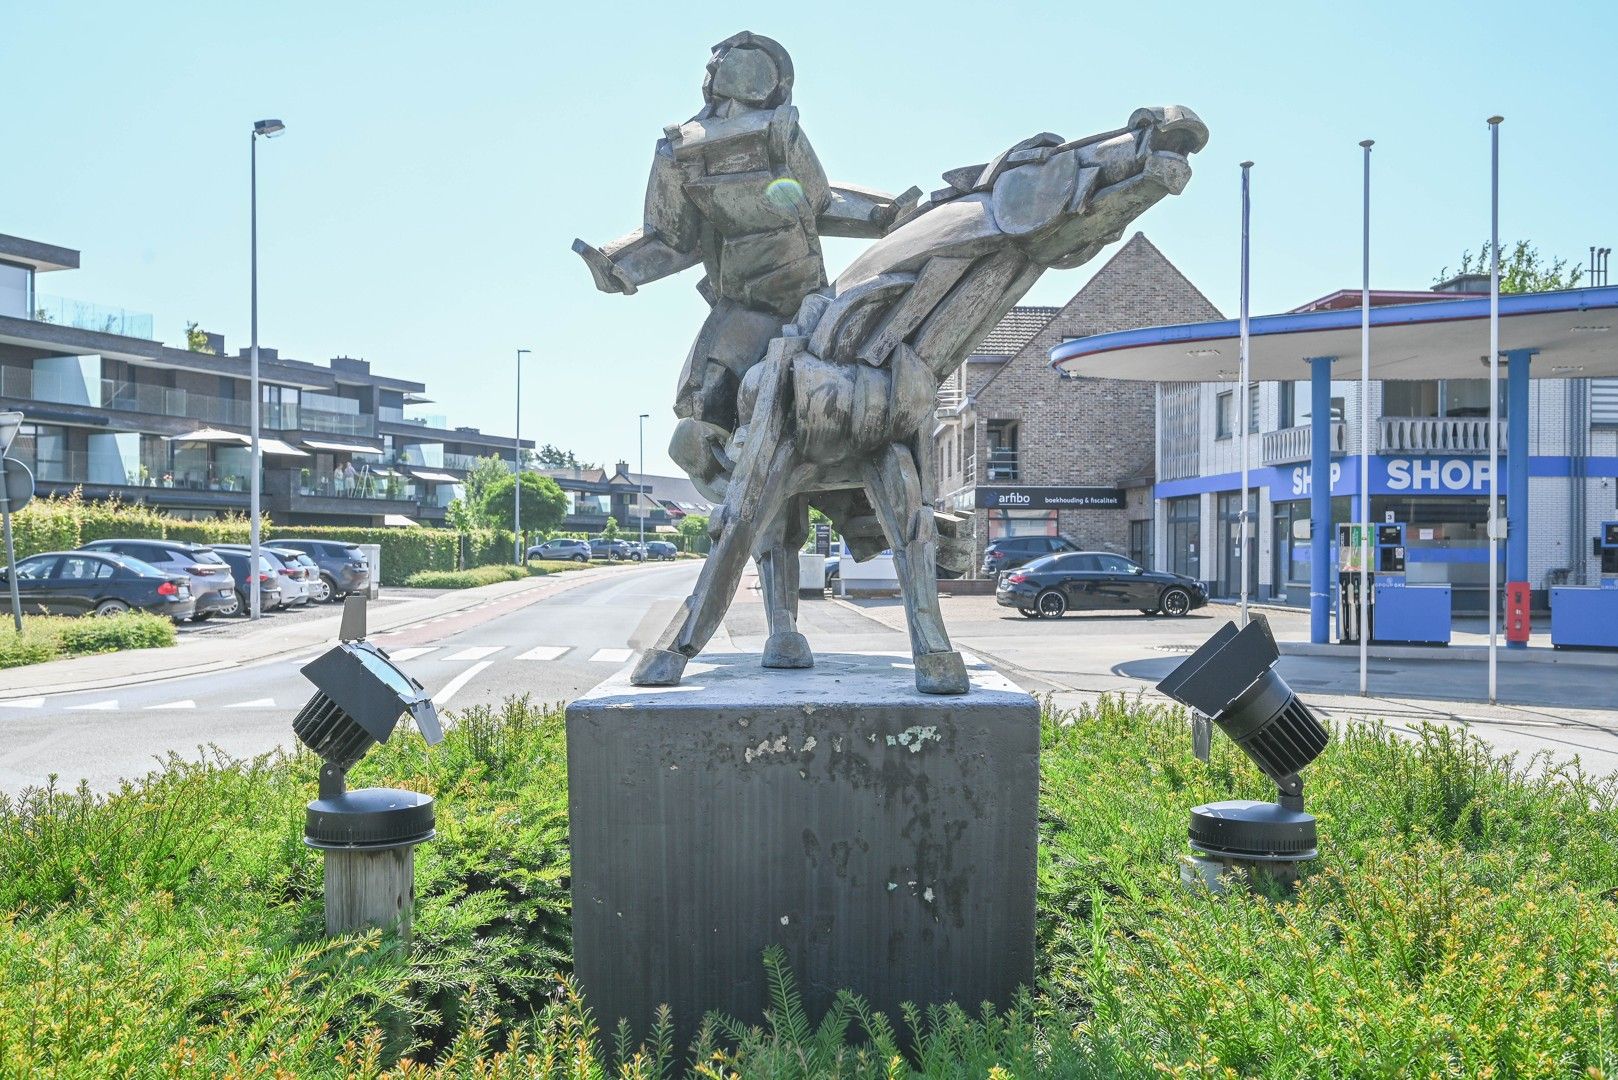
x=61 y=524
x=52 y=638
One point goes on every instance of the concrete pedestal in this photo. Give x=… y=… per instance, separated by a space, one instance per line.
x=885 y=839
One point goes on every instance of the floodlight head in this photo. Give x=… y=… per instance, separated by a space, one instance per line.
x=269 y=129
x=1231 y=680
x=10 y=424
x=359 y=697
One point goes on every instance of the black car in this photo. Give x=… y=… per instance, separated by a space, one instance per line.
x=1096 y=581
x=269 y=583
x=1011 y=552
x=561 y=548
x=343 y=566
x=661 y=549
x=211 y=582
x=98 y=583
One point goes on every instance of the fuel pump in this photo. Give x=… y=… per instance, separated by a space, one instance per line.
x=1584 y=616
x=1349 y=554
x=1406 y=613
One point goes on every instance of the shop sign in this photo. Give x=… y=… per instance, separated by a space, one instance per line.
x=1443 y=475
x=1050 y=498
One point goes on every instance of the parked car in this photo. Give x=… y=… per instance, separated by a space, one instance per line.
x=576 y=550
x=319 y=591
x=212 y=586
x=284 y=564
x=661 y=550
x=1010 y=552
x=342 y=565
x=1096 y=581
x=602 y=548
x=833 y=562
x=269 y=582
x=100 y=583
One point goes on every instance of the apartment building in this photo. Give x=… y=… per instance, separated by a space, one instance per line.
x=115 y=412
x=1027 y=451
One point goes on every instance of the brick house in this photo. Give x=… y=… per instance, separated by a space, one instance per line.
x=1027 y=451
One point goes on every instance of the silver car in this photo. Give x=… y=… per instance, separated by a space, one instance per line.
x=290 y=576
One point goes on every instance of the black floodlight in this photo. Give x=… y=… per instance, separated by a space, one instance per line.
x=1232 y=681
x=360 y=695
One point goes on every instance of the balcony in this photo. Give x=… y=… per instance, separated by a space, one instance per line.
x=24 y=384
x=1002 y=464
x=950 y=400
x=79 y=467
x=334 y=423
x=1292 y=444
x=83 y=315
x=1437 y=435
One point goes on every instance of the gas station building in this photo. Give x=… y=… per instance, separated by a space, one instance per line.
x=1429 y=463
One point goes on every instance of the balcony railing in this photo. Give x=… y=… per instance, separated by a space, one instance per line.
x=167 y=401
x=950 y=400
x=361 y=487
x=1002 y=464
x=465 y=462
x=1437 y=435
x=335 y=423
x=83 y=315
x=1292 y=444
x=82 y=467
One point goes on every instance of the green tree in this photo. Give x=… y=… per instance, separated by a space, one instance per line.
x=484 y=472
x=693 y=530
x=544 y=504
x=1522 y=270
x=610 y=530
x=554 y=457
x=196 y=339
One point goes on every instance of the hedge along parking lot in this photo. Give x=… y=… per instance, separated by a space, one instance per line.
x=1459 y=921
x=46 y=637
x=489 y=575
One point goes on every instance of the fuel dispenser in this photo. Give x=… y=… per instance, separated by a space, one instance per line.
x=1348 y=586
x=1584 y=616
x=1405 y=613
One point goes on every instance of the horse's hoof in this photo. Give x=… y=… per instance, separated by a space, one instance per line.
x=788 y=651
x=941 y=673
x=658 y=667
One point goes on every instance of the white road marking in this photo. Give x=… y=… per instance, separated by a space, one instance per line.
x=186 y=704
x=100 y=706
x=401 y=655
x=256 y=703
x=23 y=703
x=545 y=652
x=476 y=652
x=453 y=687
x=612 y=656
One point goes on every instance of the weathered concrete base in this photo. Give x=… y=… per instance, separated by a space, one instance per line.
x=884 y=838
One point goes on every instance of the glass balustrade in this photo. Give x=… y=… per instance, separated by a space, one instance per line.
x=84 y=315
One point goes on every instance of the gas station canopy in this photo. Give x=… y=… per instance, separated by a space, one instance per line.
x=1574 y=334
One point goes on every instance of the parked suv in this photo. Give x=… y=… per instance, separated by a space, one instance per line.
x=269 y=582
x=342 y=565
x=1013 y=551
x=602 y=548
x=212 y=586
x=661 y=549
x=577 y=550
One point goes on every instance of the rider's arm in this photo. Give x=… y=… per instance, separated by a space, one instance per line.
x=666 y=244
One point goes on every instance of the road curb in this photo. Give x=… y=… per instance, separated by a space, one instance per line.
x=1471 y=653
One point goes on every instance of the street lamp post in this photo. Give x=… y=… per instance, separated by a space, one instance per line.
x=268 y=129
x=516 y=487
x=640 y=496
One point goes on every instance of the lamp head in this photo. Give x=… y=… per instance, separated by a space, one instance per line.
x=359 y=697
x=1231 y=680
x=269 y=129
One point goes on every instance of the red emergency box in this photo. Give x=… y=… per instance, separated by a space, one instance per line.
x=1517 y=620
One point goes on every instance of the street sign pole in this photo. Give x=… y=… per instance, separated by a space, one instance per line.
x=10 y=424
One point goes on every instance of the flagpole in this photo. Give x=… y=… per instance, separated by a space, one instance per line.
x=1246 y=403
x=1365 y=426
x=1494 y=396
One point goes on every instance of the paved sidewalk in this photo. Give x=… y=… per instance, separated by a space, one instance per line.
x=200 y=655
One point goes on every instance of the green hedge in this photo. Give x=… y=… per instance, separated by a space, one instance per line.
x=465 y=579
x=49 y=638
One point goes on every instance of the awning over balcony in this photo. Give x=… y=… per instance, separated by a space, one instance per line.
x=213 y=435
x=341 y=447
x=399 y=521
x=435 y=477
x=279 y=448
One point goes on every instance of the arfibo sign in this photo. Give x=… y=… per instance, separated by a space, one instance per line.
x=1050 y=498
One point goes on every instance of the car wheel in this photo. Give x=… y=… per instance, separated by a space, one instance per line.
x=1050 y=604
x=331 y=588
x=319 y=591
x=581 y=558
x=232 y=608
x=111 y=607
x=1028 y=613
x=1176 y=602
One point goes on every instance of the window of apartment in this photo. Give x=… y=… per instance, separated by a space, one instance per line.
x=1002 y=436
x=1252 y=408
x=1224 y=414
x=16 y=291
x=1296 y=401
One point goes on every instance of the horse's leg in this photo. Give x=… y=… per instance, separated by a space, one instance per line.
x=894 y=489
x=777 y=555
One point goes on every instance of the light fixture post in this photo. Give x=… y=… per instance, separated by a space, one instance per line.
x=1246 y=404
x=521 y=556
x=640 y=496
x=1494 y=398
x=1365 y=425
x=267 y=129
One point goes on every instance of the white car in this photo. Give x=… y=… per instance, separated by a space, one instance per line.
x=289 y=573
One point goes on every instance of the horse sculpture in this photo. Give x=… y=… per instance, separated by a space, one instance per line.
x=833 y=413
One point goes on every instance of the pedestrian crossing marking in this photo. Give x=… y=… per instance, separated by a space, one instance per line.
x=256 y=703
x=401 y=655
x=186 y=704
x=23 y=703
x=99 y=706
x=545 y=652
x=612 y=656
x=476 y=652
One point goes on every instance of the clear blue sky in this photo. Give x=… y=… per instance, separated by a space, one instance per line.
x=440 y=158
